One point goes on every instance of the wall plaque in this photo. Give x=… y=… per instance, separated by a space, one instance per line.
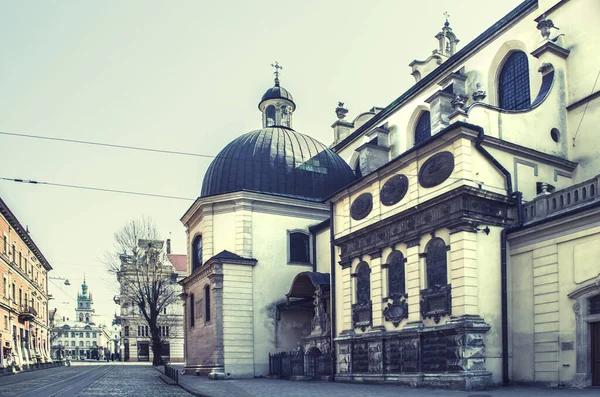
x=436 y=169
x=361 y=207
x=394 y=190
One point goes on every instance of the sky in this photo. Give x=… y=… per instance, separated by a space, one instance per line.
x=182 y=76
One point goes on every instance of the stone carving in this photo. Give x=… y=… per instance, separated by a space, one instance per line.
x=341 y=111
x=436 y=169
x=375 y=357
x=544 y=27
x=320 y=322
x=479 y=94
x=394 y=190
x=405 y=227
x=458 y=103
x=397 y=310
x=344 y=358
x=360 y=357
x=436 y=302
x=361 y=207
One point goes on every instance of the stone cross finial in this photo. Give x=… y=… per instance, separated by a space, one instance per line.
x=447 y=16
x=277 y=66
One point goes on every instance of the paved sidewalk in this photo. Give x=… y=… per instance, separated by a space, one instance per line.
x=201 y=386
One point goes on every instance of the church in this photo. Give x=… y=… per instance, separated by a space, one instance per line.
x=449 y=239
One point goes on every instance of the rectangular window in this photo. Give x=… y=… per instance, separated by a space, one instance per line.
x=20 y=260
x=94 y=335
x=165 y=310
x=14 y=294
x=192 y=310
x=14 y=253
x=5 y=245
x=6 y=322
x=207 y=304
x=72 y=334
x=126 y=333
x=5 y=287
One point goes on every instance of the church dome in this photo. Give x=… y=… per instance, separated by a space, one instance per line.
x=277 y=92
x=280 y=161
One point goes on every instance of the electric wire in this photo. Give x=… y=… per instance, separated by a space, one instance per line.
x=585 y=109
x=128 y=147
x=95 y=189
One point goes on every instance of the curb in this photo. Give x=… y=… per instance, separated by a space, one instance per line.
x=171 y=382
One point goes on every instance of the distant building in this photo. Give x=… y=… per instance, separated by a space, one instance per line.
x=83 y=338
x=24 y=329
x=135 y=344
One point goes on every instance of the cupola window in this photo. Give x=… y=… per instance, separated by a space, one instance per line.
x=513 y=84
x=270 y=114
x=423 y=128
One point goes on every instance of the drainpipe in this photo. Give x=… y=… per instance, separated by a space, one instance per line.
x=493 y=160
x=314 y=252
x=503 y=252
x=332 y=288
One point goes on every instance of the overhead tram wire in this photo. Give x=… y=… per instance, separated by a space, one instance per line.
x=95 y=189
x=49 y=138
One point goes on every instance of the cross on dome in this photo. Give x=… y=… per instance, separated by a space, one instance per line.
x=447 y=16
x=277 y=66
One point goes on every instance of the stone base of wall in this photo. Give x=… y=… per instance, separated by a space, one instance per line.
x=450 y=355
x=203 y=370
x=478 y=380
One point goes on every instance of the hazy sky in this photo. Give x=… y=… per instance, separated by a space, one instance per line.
x=183 y=76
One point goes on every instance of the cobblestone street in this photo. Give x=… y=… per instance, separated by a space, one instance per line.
x=89 y=381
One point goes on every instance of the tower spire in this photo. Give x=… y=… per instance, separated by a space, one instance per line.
x=447 y=16
x=277 y=66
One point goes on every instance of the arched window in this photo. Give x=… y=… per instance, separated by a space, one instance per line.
x=192 y=319
x=513 y=84
x=357 y=170
x=80 y=316
x=197 y=253
x=396 y=274
x=436 y=263
x=270 y=115
x=363 y=284
x=207 y=303
x=423 y=128
x=299 y=247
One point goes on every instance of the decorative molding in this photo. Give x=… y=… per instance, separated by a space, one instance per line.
x=558 y=173
x=397 y=310
x=436 y=302
x=462 y=206
x=394 y=190
x=436 y=169
x=362 y=315
x=361 y=206
x=551 y=47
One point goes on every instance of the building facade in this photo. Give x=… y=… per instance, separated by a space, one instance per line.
x=81 y=339
x=454 y=244
x=135 y=343
x=24 y=334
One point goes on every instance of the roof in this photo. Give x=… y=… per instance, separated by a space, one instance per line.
x=445 y=67
x=305 y=283
x=23 y=234
x=279 y=161
x=179 y=261
x=224 y=255
x=277 y=92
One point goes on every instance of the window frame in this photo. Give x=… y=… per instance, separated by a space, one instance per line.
x=518 y=76
x=310 y=247
x=419 y=136
x=197 y=262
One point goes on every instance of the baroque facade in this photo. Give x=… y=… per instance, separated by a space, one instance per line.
x=24 y=329
x=460 y=251
x=135 y=335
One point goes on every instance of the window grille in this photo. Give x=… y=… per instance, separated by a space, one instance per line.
x=423 y=128
x=513 y=85
x=437 y=273
x=396 y=274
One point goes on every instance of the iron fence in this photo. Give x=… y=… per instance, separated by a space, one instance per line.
x=172 y=373
x=297 y=363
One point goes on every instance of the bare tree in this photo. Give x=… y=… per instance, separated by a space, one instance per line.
x=147 y=280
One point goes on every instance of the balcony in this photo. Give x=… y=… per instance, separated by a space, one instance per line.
x=550 y=205
x=27 y=313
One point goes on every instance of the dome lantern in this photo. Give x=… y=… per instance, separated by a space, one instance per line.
x=277 y=104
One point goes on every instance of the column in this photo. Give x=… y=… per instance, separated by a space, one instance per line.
x=413 y=280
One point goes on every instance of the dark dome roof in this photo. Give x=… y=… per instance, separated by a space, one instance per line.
x=277 y=92
x=278 y=161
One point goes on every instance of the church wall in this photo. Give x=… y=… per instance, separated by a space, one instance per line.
x=272 y=275
x=323 y=251
x=223 y=232
x=547 y=264
x=238 y=320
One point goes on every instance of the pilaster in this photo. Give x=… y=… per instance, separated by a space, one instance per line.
x=464 y=272
x=243 y=229
x=376 y=289
x=413 y=280
x=346 y=303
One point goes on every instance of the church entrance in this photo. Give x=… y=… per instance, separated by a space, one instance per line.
x=595 y=354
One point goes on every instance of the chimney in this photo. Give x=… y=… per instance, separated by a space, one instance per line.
x=168 y=246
